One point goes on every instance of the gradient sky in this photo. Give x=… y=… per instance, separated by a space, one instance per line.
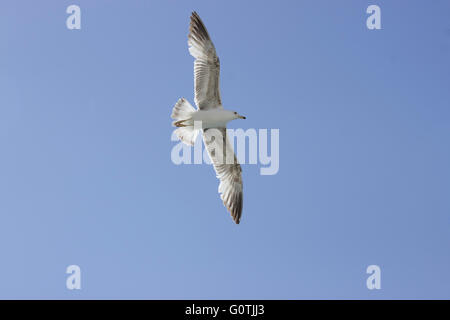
x=86 y=176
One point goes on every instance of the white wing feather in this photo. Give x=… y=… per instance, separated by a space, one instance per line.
x=206 y=65
x=228 y=170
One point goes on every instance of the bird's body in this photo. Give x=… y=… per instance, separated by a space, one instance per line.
x=213 y=118
x=210 y=117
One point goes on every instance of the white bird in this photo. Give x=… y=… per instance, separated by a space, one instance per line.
x=212 y=117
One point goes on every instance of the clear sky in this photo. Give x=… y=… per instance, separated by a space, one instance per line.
x=86 y=176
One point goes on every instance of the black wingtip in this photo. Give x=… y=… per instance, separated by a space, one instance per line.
x=194 y=15
x=237 y=218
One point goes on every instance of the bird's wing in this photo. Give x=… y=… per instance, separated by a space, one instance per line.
x=228 y=170
x=206 y=65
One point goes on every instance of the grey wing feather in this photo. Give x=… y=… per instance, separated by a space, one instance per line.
x=206 y=65
x=228 y=170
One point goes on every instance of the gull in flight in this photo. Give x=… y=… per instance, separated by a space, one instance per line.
x=211 y=116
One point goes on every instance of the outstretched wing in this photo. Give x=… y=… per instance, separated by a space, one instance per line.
x=206 y=65
x=228 y=170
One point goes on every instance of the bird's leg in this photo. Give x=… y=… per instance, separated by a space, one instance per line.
x=179 y=123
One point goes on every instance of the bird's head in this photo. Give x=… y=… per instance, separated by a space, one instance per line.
x=237 y=115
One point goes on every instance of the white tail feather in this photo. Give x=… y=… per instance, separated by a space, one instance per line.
x=182 y=110
x=182 y=113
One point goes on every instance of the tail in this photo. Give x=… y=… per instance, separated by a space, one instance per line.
x=182 y=114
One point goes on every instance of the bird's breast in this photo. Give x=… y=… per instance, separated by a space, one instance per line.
x=211 y=118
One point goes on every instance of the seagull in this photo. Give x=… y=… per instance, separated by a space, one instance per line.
x=210 y=117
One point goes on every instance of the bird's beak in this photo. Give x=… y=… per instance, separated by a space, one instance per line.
x=241 y=117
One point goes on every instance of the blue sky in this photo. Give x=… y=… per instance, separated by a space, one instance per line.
x=86 y=176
